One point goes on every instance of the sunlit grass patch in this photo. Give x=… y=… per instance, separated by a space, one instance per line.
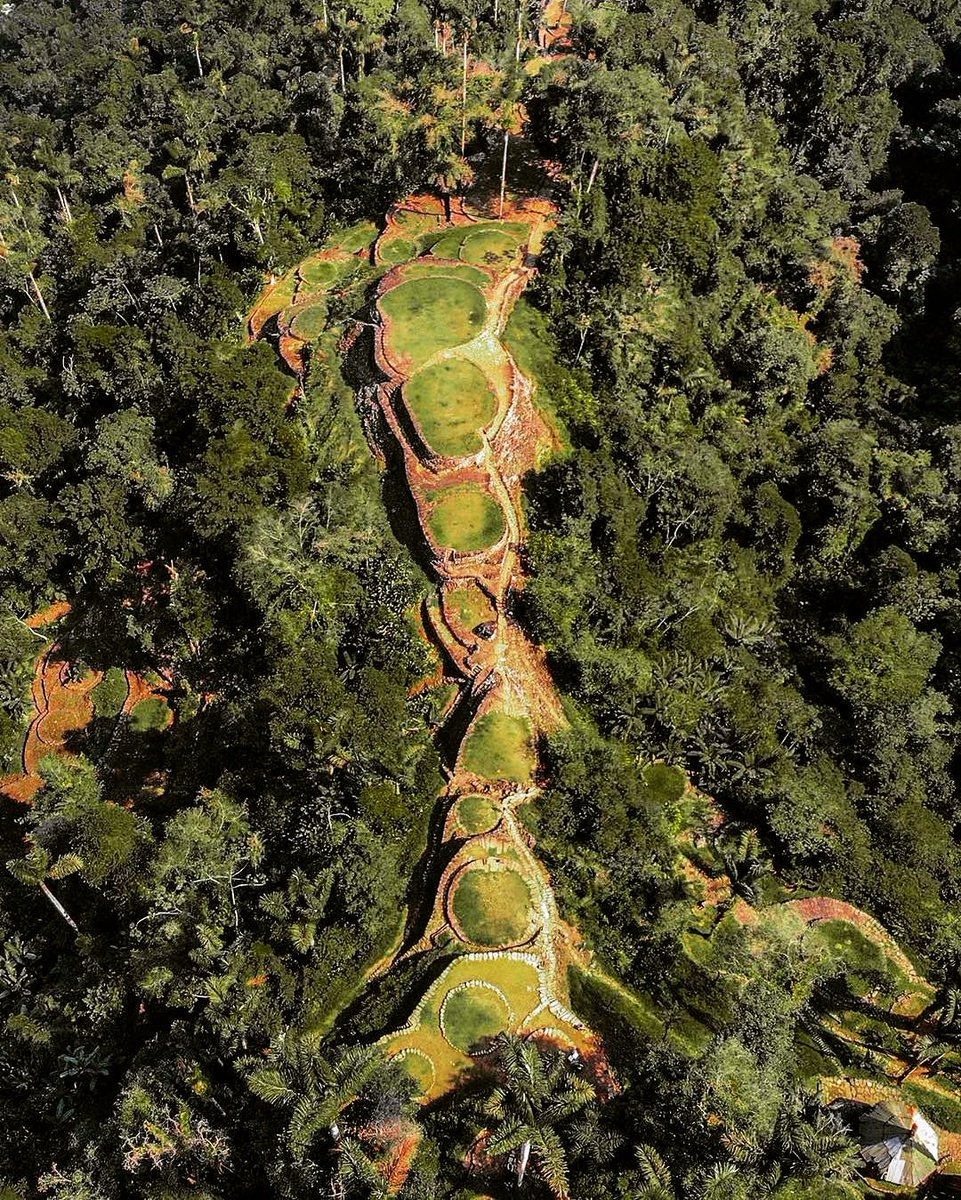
x=500 y=747
x=492 y=907
x=452 y=401
x=430 y=314
x=465 y=517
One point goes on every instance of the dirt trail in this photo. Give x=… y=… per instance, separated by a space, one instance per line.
x=501 y=677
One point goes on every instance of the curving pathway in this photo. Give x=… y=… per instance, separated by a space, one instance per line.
x=483 y=919
x=505 y=701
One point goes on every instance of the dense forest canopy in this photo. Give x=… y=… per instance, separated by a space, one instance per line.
x=742 y=561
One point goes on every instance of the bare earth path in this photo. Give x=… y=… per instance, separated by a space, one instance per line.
x=486 y=900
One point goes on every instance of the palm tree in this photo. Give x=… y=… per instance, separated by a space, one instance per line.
x=536 y=1093
x=358 y=1168
x=314 y=1089
x=658 y=1183
x=807 y=1143
x=742 y=857
x=35 y=868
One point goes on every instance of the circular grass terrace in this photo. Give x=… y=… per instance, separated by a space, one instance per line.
x=451 y=244
x=357 y=237
x=472 y=1014
x=477 y=814
x=492 y=905
x=309 y=322
x=397 y=250
x=469 y=606
x=423 y=316
x=492 y=246
x=420 y=1067
x=500 y=747
x=321 y=273
x=422 y=267
x=465 y=518
x=451 y=401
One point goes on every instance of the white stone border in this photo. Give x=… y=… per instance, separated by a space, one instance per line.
x=414 y=1052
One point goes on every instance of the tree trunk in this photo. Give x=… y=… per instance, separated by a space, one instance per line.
x=43 y=304
x=500 y=212
x=59 y=907
x=64 y=207
x=522 y=1162
x=463 y=104
x=343 y=81
x=200 y=65
x=590 y=182
x=335 y=1132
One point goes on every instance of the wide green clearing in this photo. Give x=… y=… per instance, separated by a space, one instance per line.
x=451 y=400
x=424 y=266
x=492 y=246
x=465 y=517
x=492 y=907
x=430 y=314
x=321 y=273
x=477 y=814
x=309 y=322
x=472 y=1014
x=500 y=747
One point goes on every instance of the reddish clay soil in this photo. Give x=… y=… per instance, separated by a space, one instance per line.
x=63 y=707
x=48 y=615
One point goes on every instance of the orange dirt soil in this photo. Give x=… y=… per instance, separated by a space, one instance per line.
x=48 y=615
x=63 y=707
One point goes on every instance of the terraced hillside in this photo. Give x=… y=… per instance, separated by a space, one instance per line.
x=450 y=409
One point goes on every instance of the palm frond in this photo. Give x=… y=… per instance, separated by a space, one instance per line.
x=271 y=1086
